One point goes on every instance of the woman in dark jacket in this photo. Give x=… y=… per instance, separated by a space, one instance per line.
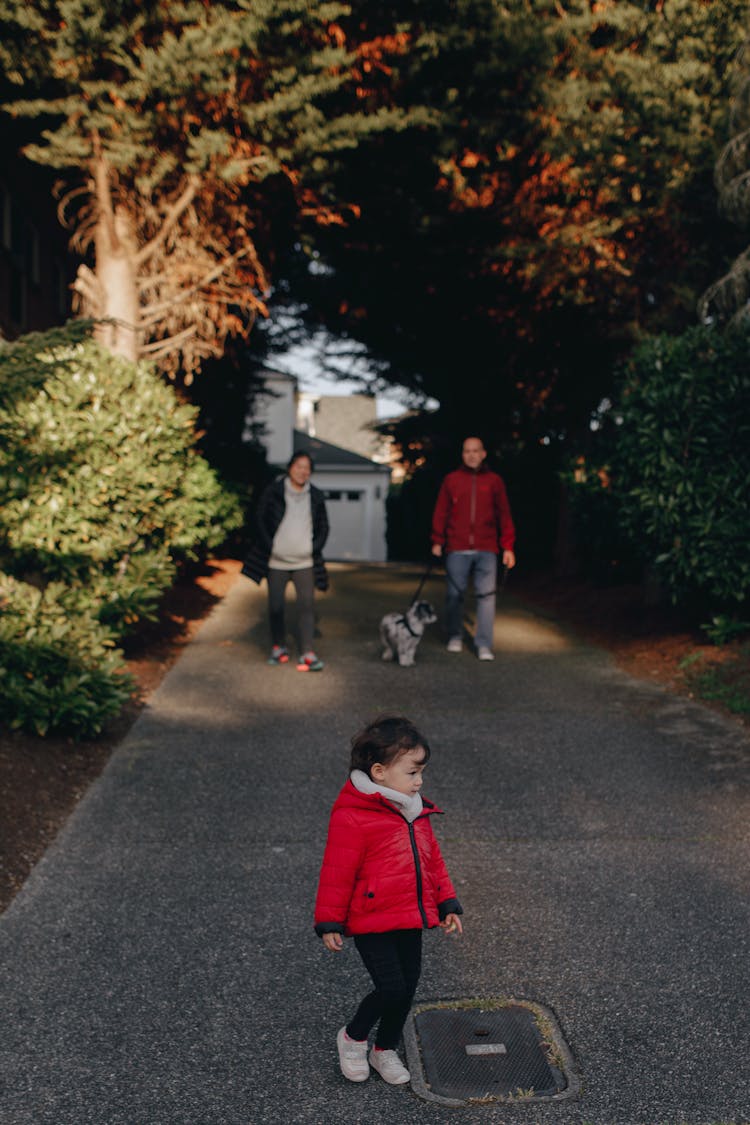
x=292 y=527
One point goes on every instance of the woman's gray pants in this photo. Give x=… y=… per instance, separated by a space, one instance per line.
x=303 y=585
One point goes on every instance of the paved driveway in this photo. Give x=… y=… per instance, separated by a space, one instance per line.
x=159 y=967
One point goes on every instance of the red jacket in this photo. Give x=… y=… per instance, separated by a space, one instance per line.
x=472 y=513
x=379 y=872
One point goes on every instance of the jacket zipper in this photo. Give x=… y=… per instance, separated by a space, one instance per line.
x=473 y=509
x=418 y=866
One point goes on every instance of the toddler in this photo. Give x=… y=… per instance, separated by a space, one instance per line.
x=383 y=881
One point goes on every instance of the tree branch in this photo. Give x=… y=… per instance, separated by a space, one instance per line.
x=168 y=343
x=172 y=217
x=88 y=286
x=151 y=313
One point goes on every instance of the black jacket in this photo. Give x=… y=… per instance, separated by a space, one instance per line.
x=269 y=515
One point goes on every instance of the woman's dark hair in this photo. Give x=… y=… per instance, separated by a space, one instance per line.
x=296 y=456
x=384 y=740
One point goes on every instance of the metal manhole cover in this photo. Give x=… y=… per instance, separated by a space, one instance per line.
x=463 y=1052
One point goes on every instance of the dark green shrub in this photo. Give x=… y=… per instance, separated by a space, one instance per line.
x=601 y=549
x=100 y=486
x=682 y=464
x=101 y=494
x=59 y=668
x=205 y=513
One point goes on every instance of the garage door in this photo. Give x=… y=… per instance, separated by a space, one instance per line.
x=346 y=515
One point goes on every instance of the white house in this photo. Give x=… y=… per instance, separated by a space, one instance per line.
x=346 y=420
x=276 y=412
x=355 y=487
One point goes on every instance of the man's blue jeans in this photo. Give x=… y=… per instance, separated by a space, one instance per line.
x=481 y=566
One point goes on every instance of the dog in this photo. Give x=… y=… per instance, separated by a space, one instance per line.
x=402 y=632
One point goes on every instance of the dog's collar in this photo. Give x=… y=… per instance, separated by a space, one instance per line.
x=404 y=621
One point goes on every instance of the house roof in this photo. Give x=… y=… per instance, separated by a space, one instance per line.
x=326 y=455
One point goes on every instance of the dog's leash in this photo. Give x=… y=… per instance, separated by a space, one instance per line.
x=403 y=620
x=426 y=575
x=422 y=581
x=487 y=593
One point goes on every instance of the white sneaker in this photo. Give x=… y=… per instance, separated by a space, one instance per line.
x=352 y=1057
x=389 y=1067
x=455 y=644
x=486 y=654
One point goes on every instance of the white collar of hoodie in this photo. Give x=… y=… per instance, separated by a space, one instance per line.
x=409 y=806
x=293 y=493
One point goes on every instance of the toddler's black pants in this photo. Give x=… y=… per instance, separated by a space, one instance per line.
x=394 y=961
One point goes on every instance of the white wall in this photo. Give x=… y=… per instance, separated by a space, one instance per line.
x=277 y=411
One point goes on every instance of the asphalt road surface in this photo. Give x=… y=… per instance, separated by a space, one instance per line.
x=160 y=968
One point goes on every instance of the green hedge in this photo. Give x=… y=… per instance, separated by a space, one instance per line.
x=683 y=462
x=602 y=549
x=59 y=668
x=102 y=494
x=675 y=449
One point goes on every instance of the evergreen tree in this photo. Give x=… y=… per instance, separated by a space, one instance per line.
x=562 y=206
x=184 y=131
x=727 y=299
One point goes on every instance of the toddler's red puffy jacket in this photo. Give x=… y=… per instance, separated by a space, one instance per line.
x=379 y=872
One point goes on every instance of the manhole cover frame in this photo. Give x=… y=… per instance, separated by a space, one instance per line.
x=555 y=1048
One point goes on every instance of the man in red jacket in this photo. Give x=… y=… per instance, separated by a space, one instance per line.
x=471 y=525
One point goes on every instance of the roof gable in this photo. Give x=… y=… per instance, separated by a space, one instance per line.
x=324 y=453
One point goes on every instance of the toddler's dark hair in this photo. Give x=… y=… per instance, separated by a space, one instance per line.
x=384 y=740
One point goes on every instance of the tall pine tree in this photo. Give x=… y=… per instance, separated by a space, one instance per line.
x=182 y=130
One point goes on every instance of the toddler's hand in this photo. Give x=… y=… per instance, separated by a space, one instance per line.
x=334 y=942
x=452 y=924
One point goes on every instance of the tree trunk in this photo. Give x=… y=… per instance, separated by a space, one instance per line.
x=116 y=277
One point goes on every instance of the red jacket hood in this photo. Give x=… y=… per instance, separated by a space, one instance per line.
x=351 y=798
